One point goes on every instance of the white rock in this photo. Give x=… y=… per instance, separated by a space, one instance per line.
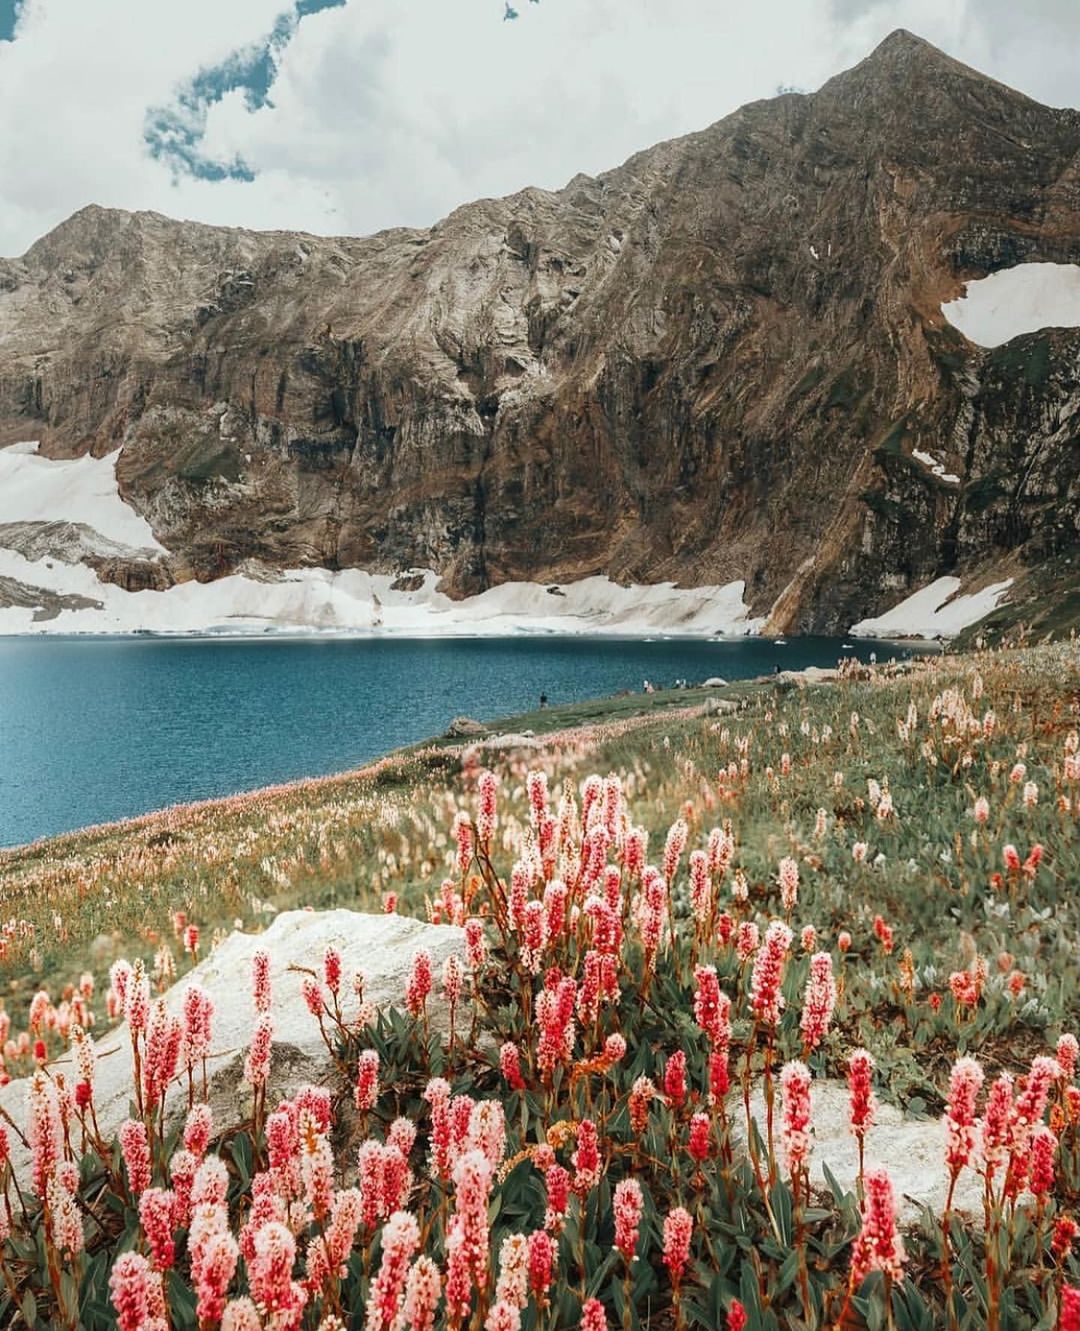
x=382 y=946
x=912 y=1150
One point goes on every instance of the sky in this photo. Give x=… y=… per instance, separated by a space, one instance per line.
x=347 y=116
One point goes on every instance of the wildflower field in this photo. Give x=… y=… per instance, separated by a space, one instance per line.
x=679 y=932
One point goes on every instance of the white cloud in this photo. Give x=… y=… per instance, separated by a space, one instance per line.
x=391 y=112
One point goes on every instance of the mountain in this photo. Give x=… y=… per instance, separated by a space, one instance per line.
x=725 y=360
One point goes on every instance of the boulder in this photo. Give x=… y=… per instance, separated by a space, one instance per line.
x=715 y=683
x=463 y=727
x=720 y=706
x=382 y=946
x=912 y=1150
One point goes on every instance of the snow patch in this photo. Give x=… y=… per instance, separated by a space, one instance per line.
x=938 y=468
x=358 y=603
x=1015 y=301
x=934 y=612
x=81 y=490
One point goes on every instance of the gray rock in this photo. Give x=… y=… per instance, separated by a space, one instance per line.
x=382 y=946
x=462 y=727
x=912 y=1150
x=720 y=706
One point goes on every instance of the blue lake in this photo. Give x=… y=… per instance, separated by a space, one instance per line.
x=94 y=730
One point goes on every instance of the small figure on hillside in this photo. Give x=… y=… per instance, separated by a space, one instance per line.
x=647 y=687
x=776 y=668
x=543 y=700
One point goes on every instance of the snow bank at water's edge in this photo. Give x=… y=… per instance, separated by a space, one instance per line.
x=355 y=602
x=936 y=611
x=55 y=596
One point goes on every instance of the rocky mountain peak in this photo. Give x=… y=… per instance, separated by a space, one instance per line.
x=714 y=363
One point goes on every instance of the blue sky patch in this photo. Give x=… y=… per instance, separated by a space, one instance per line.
x=8 y=13
x=175 y=134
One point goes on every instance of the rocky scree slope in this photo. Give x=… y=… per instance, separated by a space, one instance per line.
x=715 y=362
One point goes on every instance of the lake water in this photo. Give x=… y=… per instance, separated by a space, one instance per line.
x=94 y=730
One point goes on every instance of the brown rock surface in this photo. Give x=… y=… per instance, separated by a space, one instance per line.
x=646 y=374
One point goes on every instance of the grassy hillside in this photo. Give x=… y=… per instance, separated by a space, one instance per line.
x=673 y=909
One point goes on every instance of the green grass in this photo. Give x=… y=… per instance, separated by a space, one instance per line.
x=920 y=885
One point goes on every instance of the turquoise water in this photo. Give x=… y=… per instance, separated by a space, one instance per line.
x=94 y=730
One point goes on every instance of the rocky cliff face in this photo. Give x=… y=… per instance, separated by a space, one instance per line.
x=713 y=363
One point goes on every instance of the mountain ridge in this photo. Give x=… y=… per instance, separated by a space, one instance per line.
x=646 y=374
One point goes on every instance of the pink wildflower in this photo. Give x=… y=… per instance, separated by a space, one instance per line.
x=128 y=1290
x=241 y=1315
x=534 y=936
x=1065 y=1232
x=212 y=1270
x=673 y=848
x=614 y=1048
x=135 y=1148
x=678 y=1230
x=746 y=940
x=198 y=1129
x=627 y=1206
x=863 y=1104
x=260 y=980
x=593 y=1316
x=878 y=1246
x=788 y=876
x=766 y=1000
x=1041 y=1166
x=512 y=1285
x=586 y=1159
x=488 y=789
x=536 y=787
x=710 y=1005
x=675 y=1079
x=422 y=1290
x=1067 y=1050
x=965 y=1083
x=642 y=1093
x=820 y=1000
x=795 y=1114
x=44 y=1131
x=542 y=1255
x=700 y=886
x=503 y=1317
x=475 y=943
x=156 y=1215
x=699 y=1144
x=557 y=1187
x=366 y=1091
x=257 y=1062
x=400 y=1239
x=510 y=1066
x=332 y=968
x=419 y=985
x=463 y=833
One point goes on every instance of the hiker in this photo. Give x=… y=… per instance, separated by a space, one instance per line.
x=543 y=700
